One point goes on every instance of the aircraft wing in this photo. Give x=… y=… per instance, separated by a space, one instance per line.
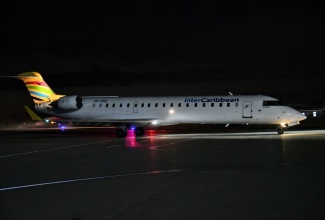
x=115 y=122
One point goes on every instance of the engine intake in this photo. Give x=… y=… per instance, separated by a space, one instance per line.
x=72 y=102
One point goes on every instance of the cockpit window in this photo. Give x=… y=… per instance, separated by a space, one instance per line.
x=273 y=103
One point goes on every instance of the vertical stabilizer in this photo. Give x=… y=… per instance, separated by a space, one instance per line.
x=38 y=88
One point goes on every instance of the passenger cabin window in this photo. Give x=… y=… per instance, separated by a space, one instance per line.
x=128 y=105
x=148 y=105
x=156 y=105
x=273 y=103
x=195 y=105
x=187 y=105
x=220 y=105
x=164 y=104
x=236 y=104
x=142 y=104
x=113 y=105
x=121 y=105
x=94 y=105
x=212 y=104
x=106 y=105
x=171 y=104
x=179 y=104
x=203 y=104
x=100 y=105
x=228 y=104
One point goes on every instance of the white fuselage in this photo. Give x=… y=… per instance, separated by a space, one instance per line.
x=250 y=109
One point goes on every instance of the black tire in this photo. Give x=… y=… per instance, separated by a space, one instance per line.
x=121 y=133
x=280 y=131
x=139 y=131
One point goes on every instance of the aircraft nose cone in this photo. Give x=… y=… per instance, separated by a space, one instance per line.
x=301 y=117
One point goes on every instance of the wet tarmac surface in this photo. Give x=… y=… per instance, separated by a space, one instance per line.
x=85 y=174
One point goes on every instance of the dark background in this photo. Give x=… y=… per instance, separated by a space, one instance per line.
x=157 y=48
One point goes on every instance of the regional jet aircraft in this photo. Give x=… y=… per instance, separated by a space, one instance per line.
x=138 y=112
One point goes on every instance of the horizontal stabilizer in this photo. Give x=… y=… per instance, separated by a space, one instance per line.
x=32 y=114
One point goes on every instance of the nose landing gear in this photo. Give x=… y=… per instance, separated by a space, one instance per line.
x=280 y=131
x=280 y=128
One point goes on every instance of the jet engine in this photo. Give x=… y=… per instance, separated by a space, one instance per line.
x=72 y=102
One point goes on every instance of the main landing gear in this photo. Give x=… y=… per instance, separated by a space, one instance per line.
x=123 y=131
x=139 y=131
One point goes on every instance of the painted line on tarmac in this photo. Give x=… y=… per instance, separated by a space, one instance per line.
x=90 y=178
x=239 y=166
x=163 y=145
x=113 y=146
x=52 y=149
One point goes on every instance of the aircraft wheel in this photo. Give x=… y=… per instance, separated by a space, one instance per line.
x=139 y=131
x=280 y=131
x=121 y=132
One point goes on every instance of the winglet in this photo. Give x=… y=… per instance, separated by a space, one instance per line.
x=32 y=114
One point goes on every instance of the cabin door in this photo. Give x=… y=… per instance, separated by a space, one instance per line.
x=135 y=106
x=247 y=109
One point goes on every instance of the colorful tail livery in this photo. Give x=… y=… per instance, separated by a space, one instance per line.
x=38 y=88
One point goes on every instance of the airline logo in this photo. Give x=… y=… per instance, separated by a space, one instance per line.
x=39 y=90
x=211 y=100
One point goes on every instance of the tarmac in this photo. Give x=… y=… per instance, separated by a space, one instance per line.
x=85 y=174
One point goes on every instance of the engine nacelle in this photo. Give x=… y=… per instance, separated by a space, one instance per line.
x=72 y=102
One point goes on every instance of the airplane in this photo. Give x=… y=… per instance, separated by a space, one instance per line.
x=137 y=112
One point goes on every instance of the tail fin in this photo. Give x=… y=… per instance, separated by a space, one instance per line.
x=38 y=88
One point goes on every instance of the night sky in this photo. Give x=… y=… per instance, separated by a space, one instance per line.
x=156 y=48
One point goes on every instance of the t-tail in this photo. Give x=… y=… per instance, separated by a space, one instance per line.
x=38 y=88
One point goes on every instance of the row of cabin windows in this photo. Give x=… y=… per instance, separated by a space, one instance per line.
x=163 y=105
